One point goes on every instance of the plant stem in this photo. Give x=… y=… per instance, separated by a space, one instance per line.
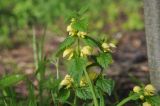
x=91 y=88
x=57 y=67
x=75 y=100
x=126 y=100
x=35 y=48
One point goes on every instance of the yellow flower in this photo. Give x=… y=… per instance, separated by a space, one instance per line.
x=149 y=90
x=146 y=104
x=112 y=45
x=71 y=31
x=136 y=89
x=67 y=81
x=68 y=53
x=69 y=28
x=86 y=50
x=81 y=34
x=141 y=97
x=83 y=82
x=108 y=47
x=73 y=20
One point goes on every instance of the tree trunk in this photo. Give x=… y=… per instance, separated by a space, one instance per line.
x=152 y=26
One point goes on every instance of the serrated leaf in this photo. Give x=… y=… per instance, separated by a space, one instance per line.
x=63 y=95
x=154 y=100
x=65 y=44
x=104 y=59
x=83 y=93
x=91 y=42
x=81 y=25
x=106 y=85
x=11 y=80
x=52 y=84
x=76 y=67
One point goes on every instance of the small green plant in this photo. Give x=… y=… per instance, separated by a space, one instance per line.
x=82 y=54
x=145 y=95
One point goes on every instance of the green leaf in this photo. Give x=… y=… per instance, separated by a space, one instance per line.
x=104 y=59
x=154 y=100
x=91 y=42
x=52 y=84
x=83 y=93
x=11 y=80
x=76 y=67
x=83 y=10
x=63 y=95
x=32 y=98
x=106 y=85
x=81 y=25
x=65 y=44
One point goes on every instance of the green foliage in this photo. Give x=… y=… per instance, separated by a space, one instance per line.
x=105 y=85
x=81 y=25
x=154 y=100
x=11 y=80
x=91 y=42
x=104 y=59
x=84 y=93
x=18 y=15
x=63 y=95
x=76 y=67
x=65 y=44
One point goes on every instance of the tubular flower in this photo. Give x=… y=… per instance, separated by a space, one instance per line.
x=136 y=89
x=146 y=104
x=83 y=82
x=86 y=50
x=67 y=81
x=149 y=90
x=81 y=34
x=108 y=47
x=68 y=53
x=71 y=31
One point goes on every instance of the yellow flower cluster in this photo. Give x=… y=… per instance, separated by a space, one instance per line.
x=148 y=90
x=67 y=81
x=86 y=50
x=68 y=53
x=107 y=47
x=74 y=32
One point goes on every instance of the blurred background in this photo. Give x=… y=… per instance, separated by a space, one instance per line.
x=121 y=20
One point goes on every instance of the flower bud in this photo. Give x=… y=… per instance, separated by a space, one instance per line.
x=136 y=89
x=141 y=97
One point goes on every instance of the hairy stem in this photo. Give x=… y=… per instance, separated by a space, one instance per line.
x=91 y=88
x=124 y=101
